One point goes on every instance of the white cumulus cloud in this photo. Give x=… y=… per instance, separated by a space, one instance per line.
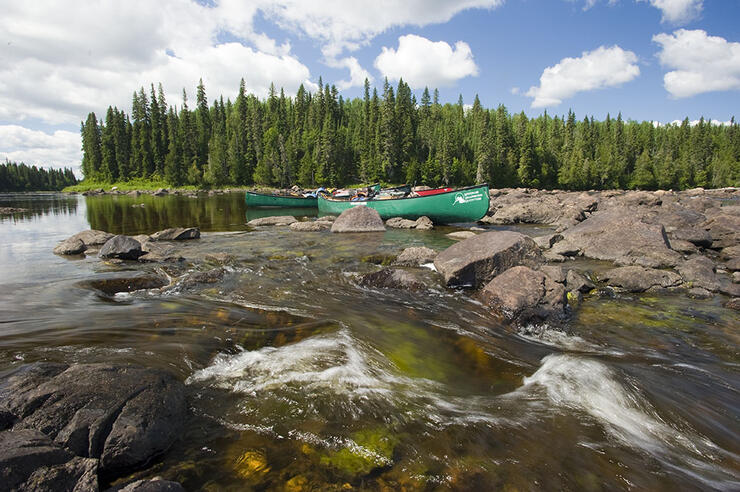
x=59 y=149
x=678 y=11
x=597 y=69
x=698 y=62
x=61 y=60
x=343 y=25
x=422 y=62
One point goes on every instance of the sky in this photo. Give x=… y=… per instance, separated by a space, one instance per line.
x=651 y=60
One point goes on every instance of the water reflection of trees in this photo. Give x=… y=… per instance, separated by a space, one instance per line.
x=36 y=205
x=120 y=214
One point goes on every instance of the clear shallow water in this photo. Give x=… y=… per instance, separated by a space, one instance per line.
x=300 y=379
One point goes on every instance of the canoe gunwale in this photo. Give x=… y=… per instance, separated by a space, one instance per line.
x=456 y=190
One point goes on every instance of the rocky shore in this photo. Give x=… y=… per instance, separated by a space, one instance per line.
x=85 y=426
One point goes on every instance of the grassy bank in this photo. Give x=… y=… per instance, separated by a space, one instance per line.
x=134 y=184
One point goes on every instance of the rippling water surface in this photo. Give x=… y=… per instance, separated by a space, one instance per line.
x=299 y=379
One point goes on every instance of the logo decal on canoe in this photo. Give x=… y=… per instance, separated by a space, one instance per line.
x=467 y=197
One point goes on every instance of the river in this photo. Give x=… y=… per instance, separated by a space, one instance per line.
x=299 y=379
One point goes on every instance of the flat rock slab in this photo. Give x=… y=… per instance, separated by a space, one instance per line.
x=525 y=295
x=176 y=234
x=123 y=415
x=121 y=247
x=358 y=219
x=477 y=260
x=614 y=234
x=277 y=220
x=640 y=279
x=156 y=484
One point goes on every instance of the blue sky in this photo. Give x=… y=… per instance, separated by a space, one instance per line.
x=659 y=60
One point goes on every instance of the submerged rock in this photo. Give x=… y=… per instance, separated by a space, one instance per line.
x=112 y=286
x=525 y=295
x=176 y=234
x=278 y=220
x=156 y=484
x=475 y=261
x=123 y=415
x=640 y=279
x=121 y=247
x=358 y=219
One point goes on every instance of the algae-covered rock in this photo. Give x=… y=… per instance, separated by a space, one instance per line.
x=366 y=451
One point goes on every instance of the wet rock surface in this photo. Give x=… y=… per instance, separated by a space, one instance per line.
x=121 y=416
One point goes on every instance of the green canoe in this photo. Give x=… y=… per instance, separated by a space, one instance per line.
x=261 y=200
x=462 y=205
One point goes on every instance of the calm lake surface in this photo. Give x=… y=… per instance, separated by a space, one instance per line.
x=299 y=379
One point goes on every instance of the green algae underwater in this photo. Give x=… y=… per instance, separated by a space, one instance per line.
x=300 y=379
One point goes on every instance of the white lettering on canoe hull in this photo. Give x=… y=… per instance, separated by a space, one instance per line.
x=467 y=197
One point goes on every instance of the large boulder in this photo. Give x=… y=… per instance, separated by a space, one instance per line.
x=525 y=295
x=121 y=247
x=29 y=460
x=618 y=233
x=640 y=279
x=277 y=220
x=475 y=261
x=123 y=415
x=415 y=256
x=176 y=234
x=358 y=219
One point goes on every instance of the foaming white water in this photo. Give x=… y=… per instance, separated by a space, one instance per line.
x=335 y=372
x=589 y=386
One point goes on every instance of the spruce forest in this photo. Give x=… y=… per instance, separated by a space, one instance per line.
x=20 y=177
x=321 y=139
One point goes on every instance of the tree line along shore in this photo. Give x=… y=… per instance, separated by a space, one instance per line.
x=21 y=177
